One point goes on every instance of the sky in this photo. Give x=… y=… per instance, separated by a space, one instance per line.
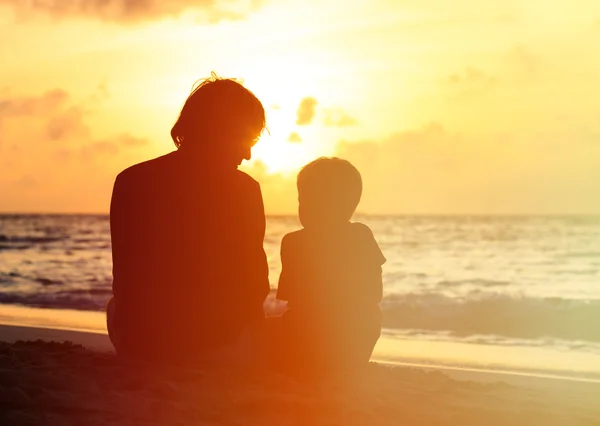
x=445 y=107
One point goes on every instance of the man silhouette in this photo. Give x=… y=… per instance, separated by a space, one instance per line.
x=189 y=270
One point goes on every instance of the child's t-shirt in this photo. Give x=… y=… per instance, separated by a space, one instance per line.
x=332 y=274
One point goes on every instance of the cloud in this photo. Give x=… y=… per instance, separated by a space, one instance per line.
x=65 y=123
x=27 y=182
x=20 y=106
x=337 y=117
x=130 y=11
x=46 y=137
x=470 y=75
x=306 y=111
x=468 y=83
x=100 y=149
x=527 y=62
x=432 y=170
x=131 y=141
x=55 y=117
x=294 y=137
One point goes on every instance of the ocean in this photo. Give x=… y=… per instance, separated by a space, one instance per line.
x=488 y=280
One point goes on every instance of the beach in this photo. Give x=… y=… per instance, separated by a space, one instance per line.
x=59 y=374
x=408 y=189
x=486 y=320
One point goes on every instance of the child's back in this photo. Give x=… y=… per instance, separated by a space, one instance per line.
x=331 y=278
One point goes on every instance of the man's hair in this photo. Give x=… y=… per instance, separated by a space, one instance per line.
x=332 y=182
x=219 y=108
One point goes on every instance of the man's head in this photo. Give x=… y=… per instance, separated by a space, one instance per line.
x=220 y=117
x=329 y=191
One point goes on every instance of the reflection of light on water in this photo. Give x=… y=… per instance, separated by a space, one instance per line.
x=65 y=319
x=524 y=359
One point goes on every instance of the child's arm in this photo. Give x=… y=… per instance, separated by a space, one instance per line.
x=375 y=282
x=372 y=271
x=285 y=286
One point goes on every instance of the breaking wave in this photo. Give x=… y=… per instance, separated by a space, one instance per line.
x=497 y=314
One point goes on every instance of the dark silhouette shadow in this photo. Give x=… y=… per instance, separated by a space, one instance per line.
x=187 y=228
x=331 y=276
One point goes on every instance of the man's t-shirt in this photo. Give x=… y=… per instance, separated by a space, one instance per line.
x=189 y=267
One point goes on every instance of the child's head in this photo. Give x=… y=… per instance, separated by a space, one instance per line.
x=329 y=190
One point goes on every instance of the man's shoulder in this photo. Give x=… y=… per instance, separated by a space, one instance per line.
x=246 y=179
x=146 y=167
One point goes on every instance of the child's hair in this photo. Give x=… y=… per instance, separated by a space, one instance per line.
x=333 y=185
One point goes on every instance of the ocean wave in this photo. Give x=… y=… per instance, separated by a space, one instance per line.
x=583 y=254
x=78 y=300
x=31 y=239
x=490 y=339
x=479 y=314
x=24 y=243
x=495 y=314
x=474 y=282
x=48 y=281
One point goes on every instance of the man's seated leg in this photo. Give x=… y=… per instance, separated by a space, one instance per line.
x=111 y=322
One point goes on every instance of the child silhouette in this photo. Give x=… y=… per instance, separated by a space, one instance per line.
x=331 y=274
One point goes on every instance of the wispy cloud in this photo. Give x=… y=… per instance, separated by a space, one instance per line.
x=471 y=76
x=130 y=11
x=50 y=155
x=527 y=62
x=435 y=170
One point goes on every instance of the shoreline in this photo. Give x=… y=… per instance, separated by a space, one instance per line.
x=96 y=341
x=44 y=380
x=473 y=361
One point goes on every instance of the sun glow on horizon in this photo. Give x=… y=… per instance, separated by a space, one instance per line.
x=279 y=151
x=369 y=79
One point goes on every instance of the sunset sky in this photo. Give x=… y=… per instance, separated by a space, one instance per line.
x=446 y=107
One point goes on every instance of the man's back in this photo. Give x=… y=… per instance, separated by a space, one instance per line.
x=188 y=262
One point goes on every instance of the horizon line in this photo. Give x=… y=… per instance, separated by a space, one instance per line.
x=399 y=214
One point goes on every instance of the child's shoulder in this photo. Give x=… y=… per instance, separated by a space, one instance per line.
x=360 y=227
x=361 y=230
x=293 y=237
x=363 y=237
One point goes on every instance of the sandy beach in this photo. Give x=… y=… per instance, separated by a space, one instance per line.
x=56 y=375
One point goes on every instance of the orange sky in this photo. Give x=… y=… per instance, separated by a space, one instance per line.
x=445 y=107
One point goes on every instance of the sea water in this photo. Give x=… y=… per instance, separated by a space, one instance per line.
x=510 y=281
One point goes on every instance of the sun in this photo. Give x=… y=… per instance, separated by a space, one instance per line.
x=280 y=153
x=276 y=150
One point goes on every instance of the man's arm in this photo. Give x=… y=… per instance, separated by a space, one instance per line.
x=259 y=267
x=120 y=238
